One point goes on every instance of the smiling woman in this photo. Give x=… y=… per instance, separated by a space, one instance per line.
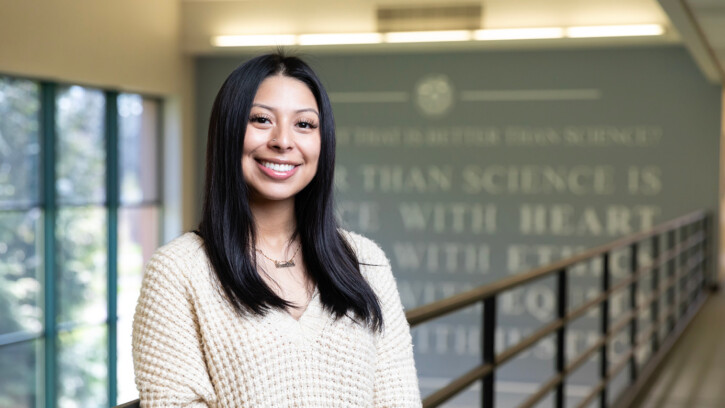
x=282 y=141
x=316 y=319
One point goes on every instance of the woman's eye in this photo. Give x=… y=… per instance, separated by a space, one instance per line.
x=306 y=125
x=259 y=119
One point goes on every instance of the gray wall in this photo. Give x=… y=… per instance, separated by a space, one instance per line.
x=468 y=167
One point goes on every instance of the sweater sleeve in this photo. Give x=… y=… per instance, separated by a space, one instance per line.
x=396 y=381
x=167 y=349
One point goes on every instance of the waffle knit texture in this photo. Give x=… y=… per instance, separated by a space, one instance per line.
x=192 y=349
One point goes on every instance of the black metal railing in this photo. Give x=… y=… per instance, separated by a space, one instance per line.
x=679 y=275
x=672 y=274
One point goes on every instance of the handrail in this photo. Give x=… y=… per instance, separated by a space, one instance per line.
x=436 y=309
x=681 y=307
x=692 y=252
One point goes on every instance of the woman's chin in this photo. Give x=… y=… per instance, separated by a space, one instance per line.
x=272 y=197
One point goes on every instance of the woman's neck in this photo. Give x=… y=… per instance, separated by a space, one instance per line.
x=275 y=223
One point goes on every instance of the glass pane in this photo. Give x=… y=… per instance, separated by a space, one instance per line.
x=20 y=369
x=80 y=149
x=20 y=275
x=138 y=140
x=19 y=144
x=83 y=368
x=138 y=238
x=82 y=264
x=125 y=386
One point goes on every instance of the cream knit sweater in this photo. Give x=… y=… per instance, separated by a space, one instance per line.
x=191 y=349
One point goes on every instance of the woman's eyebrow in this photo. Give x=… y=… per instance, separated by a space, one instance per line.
x=297 y=111
x=309 y=110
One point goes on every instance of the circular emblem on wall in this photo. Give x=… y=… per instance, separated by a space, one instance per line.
x=434 y=95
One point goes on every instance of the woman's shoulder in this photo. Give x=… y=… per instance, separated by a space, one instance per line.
x=374 y=264
x=367 y=250
x=178 y=256
x=186 y=244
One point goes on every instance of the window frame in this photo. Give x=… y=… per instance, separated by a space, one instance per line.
x=46 y=390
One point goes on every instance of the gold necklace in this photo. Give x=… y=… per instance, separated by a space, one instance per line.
x=282 y=264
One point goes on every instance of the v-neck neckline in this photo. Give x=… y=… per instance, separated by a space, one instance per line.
x=308 y=327
x=313 y=299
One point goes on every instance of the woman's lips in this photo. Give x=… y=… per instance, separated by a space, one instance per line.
x=281 y=172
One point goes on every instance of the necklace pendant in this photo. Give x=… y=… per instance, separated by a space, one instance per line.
x=287 y=264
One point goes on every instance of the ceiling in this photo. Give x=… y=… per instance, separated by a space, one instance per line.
x=709 y=18
x=699 y=24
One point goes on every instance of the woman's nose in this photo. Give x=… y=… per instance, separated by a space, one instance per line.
x=281 y=139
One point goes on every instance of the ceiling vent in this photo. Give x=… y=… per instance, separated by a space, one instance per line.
x=430 y=17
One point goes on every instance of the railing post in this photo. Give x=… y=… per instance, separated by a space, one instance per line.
x=671 y=273
x=562 y=294
x=681 y=270
x=488 y=351
x=693 y=270
x=633 y=263
x=709 y=278
x=655 y=308
x=603 y=351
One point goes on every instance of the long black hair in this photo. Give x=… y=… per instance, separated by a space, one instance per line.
x=227 y=226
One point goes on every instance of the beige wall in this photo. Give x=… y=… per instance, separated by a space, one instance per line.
x=129 y=45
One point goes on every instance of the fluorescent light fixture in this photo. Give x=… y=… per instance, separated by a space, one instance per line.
x=427 y=36
x=518 y=33
x=615 y=31
x=252 y=40
x=440 y=36
x=343 y=38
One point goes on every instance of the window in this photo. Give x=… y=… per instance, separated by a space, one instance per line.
x=80 y=214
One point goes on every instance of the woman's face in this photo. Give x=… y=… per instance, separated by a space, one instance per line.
x=282 y=140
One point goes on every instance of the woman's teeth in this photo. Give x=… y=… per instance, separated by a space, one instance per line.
x=278 y=167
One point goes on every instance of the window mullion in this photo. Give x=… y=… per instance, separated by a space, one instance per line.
x=112 y=199
x=47 y=92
